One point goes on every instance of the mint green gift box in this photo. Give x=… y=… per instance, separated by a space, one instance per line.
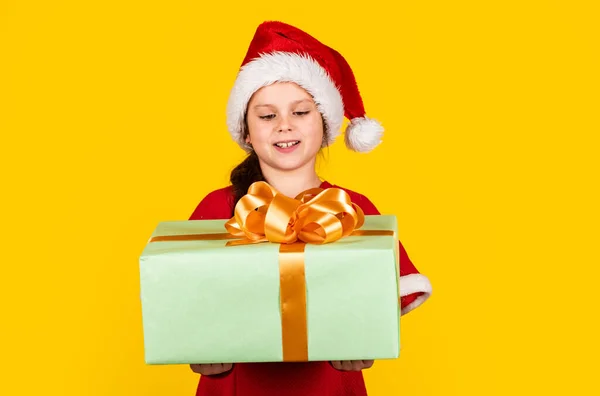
x=204 y=302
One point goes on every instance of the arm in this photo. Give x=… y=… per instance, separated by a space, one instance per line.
x=415 y=287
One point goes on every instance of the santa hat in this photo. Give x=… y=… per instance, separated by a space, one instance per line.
x=280 y=52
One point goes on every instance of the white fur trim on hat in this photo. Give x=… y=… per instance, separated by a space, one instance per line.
x=363 y=134
x=284 y=67
x=414 y=283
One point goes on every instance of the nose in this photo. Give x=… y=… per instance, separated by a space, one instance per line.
x=284 y=124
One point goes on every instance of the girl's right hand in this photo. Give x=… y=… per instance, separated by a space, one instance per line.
x=211 y=369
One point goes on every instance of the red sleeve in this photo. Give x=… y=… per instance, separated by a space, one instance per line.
x=215 y=206
x=415 y=287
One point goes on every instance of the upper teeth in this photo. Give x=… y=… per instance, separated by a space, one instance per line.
x=284 y=145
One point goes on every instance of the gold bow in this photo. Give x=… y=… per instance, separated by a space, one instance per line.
x=315 y=216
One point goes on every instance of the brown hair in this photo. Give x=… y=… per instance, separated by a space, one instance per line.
x=249 y=170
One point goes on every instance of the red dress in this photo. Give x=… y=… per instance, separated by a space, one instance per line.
x=295 y=379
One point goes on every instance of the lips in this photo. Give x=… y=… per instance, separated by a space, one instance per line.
x=287 y=144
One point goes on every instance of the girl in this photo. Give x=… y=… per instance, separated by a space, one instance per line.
x=287 y=103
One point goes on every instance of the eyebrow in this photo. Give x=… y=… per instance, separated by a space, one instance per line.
x=271 y=105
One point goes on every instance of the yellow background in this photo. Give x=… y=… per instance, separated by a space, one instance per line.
x=112 y=118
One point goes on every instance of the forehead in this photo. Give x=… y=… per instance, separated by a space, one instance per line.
x=280 y=93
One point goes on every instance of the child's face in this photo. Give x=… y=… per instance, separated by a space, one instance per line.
x=285 y=128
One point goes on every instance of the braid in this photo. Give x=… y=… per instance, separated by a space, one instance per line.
x=244 y=175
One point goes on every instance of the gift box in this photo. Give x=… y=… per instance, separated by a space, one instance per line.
x=214 y=292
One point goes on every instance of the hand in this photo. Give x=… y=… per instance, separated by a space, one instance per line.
x=211 y=369
x=352 y=365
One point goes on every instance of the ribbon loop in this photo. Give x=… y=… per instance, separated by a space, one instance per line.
x=314 y=216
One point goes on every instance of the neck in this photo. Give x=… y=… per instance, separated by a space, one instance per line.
x=292 y=183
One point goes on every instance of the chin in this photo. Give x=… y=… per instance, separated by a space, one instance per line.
x=289 y=165
x=290 y=162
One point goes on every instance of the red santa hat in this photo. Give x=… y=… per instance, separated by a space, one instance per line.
x=280 y=52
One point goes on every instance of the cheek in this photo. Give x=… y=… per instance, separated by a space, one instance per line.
x=258 y=134
x=314 y=131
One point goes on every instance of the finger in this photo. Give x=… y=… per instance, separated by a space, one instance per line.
x=201 y=369
x=218 y=368
x=357 y=365
x=336 y=364
x=368 y=363
x=347 y=365
x=213 y=369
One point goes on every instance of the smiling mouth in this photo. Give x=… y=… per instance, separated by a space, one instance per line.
x=287 y=144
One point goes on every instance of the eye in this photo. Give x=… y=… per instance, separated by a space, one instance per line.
x=267 y=117
x=301 y=113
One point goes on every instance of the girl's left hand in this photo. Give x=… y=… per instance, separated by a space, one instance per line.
x=352 y=365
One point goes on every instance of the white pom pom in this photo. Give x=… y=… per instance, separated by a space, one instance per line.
x=363 y=134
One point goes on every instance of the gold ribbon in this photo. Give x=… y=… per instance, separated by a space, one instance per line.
x=316 y=216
